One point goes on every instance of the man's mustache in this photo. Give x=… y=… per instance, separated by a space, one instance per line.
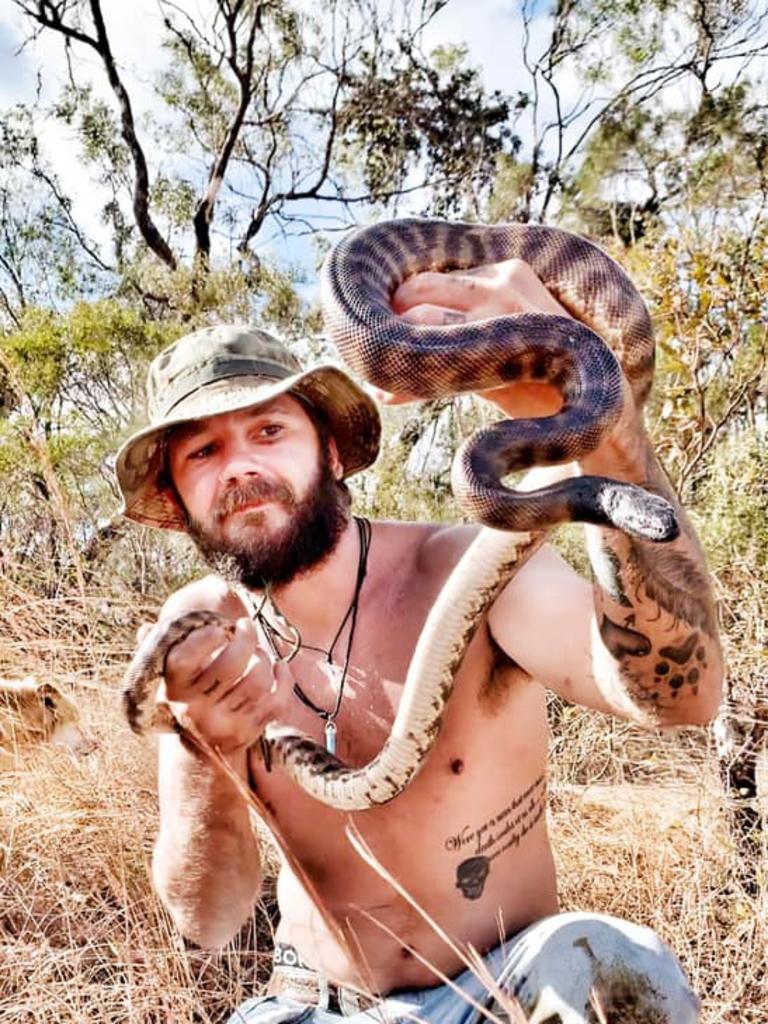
x=255 y=490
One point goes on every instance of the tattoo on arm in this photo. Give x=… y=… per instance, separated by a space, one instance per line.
x=607 y=570
x=622 y=641
x=666 y=591
x=675 y=582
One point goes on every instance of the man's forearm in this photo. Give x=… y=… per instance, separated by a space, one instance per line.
x=206 y=865
x=655 y=611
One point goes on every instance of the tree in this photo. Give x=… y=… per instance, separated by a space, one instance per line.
x=275 y=106
x=268 y=120
x=626 y=101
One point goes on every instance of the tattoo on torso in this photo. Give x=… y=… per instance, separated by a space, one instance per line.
x=504 y=831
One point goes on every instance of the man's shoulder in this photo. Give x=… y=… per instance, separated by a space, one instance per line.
x=209 y=593
x=429 y=549
x=432 y=550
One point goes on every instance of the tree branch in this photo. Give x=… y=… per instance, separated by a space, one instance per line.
x=204 y=213
x=147 y=227
x=49 y=14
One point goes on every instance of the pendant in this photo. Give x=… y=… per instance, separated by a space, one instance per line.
x=330 y=737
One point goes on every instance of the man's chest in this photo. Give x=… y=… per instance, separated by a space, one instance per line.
x=364 y=687
x=492 y=723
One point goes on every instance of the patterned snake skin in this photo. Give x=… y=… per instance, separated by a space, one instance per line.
x=364 y=270
x=359 y=278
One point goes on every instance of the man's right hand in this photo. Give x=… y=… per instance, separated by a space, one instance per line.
x=223 y=688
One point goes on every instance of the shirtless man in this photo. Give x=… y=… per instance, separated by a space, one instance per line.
x=248 y=453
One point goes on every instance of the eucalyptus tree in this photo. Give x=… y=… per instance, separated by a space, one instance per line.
x=267 y=120
x=631 y=106
x=267 y=116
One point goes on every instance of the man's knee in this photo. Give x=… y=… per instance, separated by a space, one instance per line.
x=574 y=968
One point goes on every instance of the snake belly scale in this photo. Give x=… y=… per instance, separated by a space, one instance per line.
x=584 y=358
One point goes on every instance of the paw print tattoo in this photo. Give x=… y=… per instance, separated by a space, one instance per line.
x=681 y=665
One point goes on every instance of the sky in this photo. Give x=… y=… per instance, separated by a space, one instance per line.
x=483 y=26
x=26 y=67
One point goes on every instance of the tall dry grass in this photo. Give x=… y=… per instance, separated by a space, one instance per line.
x=639 y=823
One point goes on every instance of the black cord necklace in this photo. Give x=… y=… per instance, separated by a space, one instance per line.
x=272 y=635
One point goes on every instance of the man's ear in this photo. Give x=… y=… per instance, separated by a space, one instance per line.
x=337 y=467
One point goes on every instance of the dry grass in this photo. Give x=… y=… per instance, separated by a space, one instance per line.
x=638 y=821
x=659 y=852
x=82 y=936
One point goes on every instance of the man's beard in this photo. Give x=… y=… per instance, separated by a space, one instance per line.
x=276 y=557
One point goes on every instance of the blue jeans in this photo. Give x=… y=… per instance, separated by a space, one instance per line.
x=566 y=969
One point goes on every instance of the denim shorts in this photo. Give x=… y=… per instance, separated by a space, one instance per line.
x=566 y=969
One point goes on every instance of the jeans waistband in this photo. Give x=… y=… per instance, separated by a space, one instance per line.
x=295 y=979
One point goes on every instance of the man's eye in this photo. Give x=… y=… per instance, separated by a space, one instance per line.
x=202 y=452
x=271 y=429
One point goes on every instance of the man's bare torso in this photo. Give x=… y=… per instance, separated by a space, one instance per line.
x=467 y=839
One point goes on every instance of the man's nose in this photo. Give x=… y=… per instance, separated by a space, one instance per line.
x=241 y=462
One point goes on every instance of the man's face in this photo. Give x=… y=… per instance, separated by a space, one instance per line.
x=260 y=492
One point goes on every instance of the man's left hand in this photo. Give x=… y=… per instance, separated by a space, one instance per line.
x=490 y=290
x=460 y=296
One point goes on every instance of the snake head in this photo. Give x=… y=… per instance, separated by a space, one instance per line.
x=636 y=511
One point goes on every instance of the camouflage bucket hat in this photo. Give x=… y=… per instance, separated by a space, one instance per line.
x=224 y=369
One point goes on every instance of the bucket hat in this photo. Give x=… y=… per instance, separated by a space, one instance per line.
x=223 y=369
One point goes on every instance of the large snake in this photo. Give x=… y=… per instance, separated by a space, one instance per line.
x=359 y=278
